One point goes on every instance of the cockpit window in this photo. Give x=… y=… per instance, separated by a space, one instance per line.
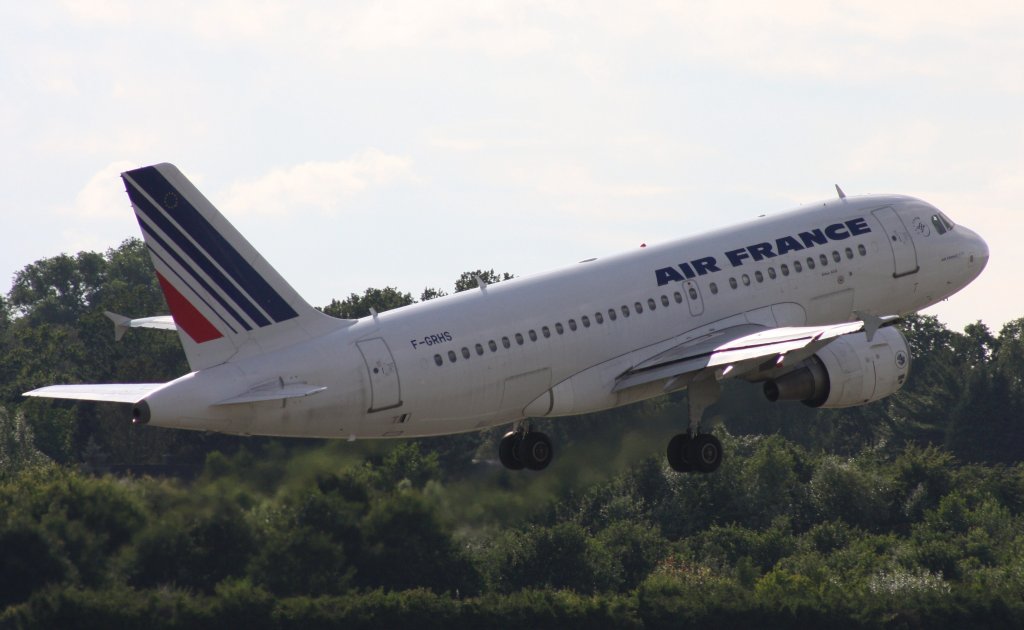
x=941 y=223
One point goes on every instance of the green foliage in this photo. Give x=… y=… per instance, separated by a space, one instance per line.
x=380 y=300
x=468 y=279
x=904 y=513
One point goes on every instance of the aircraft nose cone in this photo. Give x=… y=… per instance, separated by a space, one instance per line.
x=978 y=251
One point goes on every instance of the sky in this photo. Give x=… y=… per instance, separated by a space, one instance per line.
x=400 y=143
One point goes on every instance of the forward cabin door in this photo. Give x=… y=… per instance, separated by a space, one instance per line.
x=903 y=251
x=386 y=391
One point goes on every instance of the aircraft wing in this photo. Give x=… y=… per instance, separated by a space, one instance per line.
x=117 y=392
x=122 y=323
x=734 y=351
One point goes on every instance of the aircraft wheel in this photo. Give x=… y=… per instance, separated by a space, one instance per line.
x=677 y=453
x=705 y=451
x=535 y=451
x=509 y=449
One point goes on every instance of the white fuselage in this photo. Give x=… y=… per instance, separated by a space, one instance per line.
x=550 y=345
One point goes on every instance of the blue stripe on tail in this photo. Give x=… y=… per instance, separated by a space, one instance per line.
x=212 y=246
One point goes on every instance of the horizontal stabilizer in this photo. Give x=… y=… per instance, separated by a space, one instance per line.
x=116 y=392
x=122 y=323
x=274 y=390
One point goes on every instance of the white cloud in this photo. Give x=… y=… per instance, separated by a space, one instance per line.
x=103 y=195
x=318 y=186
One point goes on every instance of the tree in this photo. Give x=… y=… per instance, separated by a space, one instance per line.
x=468 y=279
x=380 y=300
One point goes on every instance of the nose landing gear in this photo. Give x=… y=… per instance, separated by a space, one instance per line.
x=525 y=449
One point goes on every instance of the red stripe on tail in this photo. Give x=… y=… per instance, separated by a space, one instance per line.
x=186 y=316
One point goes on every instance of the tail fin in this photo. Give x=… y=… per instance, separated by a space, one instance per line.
x=226 y=300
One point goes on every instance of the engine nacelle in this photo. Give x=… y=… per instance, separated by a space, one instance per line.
x=849 y=371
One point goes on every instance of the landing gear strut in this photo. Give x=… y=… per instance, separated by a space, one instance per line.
x=694 y=451
x=525 y=449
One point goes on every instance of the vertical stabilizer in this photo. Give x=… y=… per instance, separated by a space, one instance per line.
x=226 y=300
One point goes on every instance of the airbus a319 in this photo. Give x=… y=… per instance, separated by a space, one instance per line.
x=802 y=301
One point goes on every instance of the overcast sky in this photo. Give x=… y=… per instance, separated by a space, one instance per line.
x=361 y=144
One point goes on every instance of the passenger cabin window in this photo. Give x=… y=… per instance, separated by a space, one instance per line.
x=519 y=338
x=572 y=324
x=746 y=280
x=598 y=317
x=451 y=356
x=849 y=253
x=664 y=300
x=732 y=282
x=863 y=251
x=465 y=353
x=505 y=342
x=612 y=315
x=479 y=350
x=585 y=321
x=713 y=287
x=625 y=311
x=438 y=360
x=771 y=272
x=493 y=346
x=533 y=335
x=693 y=293
x=784 y=268
x=678 y=297
x=650 y=304
x=545 y=331
x=558 y=328
x=759 y=276
x=810 y=263
x=638 y=307
x=796 y=266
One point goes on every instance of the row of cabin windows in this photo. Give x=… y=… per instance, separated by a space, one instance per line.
x=638 y=307
x=559 y=329
x=797 y=267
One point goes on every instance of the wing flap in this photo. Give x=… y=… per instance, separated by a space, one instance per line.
x=114 y=392
x=734 y=351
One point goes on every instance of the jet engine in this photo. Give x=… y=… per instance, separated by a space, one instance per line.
x=849 y=371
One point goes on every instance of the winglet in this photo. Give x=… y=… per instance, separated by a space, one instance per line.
x=839 y=190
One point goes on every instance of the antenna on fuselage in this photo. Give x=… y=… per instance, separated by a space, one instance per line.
x=839 y=190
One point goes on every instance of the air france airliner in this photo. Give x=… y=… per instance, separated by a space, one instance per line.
x=802 y=301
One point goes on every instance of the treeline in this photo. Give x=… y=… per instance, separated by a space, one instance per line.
x=779 y=536
x=904 y=513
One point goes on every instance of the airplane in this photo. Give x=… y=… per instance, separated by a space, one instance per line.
x=803 y=301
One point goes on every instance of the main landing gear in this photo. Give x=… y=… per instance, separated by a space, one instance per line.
x=694 y=451
x=522 y=448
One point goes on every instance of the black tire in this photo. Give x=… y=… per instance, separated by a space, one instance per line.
x=677 y=453
x=535 y=451
x=508 y=451
x=705 y=451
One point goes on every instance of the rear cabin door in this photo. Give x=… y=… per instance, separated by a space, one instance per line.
x=903 y=251
x=386 y=392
